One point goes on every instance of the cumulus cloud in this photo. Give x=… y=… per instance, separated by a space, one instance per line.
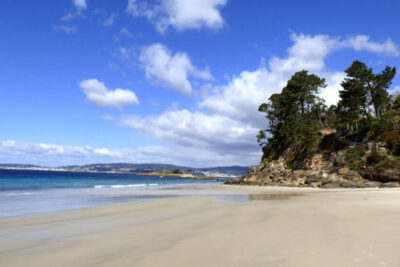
x=180 y=14
x=307 y=52
x=331 y=92
x=170 y=70
x=101 y=96
x=362 y=42
x=227 y=120
x=196 y=129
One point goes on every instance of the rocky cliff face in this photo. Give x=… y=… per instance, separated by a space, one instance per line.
x=327 y=171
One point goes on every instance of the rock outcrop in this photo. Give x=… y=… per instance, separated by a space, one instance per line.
x=319 y=171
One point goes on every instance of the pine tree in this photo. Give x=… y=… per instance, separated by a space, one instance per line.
x=294 y=115
x=354 y=95
x=378 y=91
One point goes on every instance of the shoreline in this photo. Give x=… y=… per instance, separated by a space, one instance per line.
x=279 y=226
x=163 y=174
x=220 y=192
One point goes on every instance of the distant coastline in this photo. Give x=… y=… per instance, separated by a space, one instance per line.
x=176 y=175
x=141 y=169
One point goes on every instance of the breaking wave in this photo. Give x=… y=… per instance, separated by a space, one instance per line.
x=124 y=185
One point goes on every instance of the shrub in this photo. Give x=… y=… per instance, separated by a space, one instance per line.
x=354 y=157
x=374 y=157
x=396 y=104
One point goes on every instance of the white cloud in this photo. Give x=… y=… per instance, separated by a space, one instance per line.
x=64 y=28
x=197 y=129
x=110 y=20
x=98 y=94
x=227 y=119
x=331 y=93
x=308 y=52
x=180 y=14
x=80 y=4
x=170 y=70
x=220 y=130
x=395 y=91
x=362 y=42
x=240 y=98
x=21 y=152
x=12 y=151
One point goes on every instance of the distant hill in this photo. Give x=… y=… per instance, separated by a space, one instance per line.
x=18 y=165
x=227 y=171
x=150 y=167
x=133 y=166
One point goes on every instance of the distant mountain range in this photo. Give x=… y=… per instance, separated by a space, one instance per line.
x=228 y=171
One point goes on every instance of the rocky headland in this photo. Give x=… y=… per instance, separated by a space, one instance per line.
x=355 y=143
x=322 y=170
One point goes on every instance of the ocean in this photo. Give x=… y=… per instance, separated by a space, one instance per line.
x=25 y=192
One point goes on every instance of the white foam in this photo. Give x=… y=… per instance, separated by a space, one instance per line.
x=24 y=193
x=124 y=185
x=127 y=185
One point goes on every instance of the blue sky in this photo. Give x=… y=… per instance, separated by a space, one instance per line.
x=172 y=81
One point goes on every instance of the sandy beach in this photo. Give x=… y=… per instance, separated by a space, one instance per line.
x=265 y=227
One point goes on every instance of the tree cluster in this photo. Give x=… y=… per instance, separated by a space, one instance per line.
x=364 y=93
x=365 y=111
x=294 y=115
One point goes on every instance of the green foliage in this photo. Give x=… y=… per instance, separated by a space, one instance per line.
x=382 y=162
x=396 y=103
x=354 y=157
x=262 y=138
x=374 y=157
x=176 y=171
x=294 y=116
x=329 y=117
x=360 y=131
x=393 y=143
x=362 y=89
x=388 y=162
x=387 y=130
x=379 y=96
x=330 y=143
x=365 y=112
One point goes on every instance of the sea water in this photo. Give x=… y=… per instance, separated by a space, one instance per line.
x=25 y=192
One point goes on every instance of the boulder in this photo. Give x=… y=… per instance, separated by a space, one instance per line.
x=382 y=176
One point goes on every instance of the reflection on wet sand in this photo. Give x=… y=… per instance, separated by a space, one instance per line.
x=273 y=196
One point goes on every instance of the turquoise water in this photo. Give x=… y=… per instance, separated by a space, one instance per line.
x=25 y=193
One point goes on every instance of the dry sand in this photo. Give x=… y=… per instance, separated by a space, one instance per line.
x=294 y=228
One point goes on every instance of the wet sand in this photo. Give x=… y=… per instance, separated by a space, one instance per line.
x=275 y=227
